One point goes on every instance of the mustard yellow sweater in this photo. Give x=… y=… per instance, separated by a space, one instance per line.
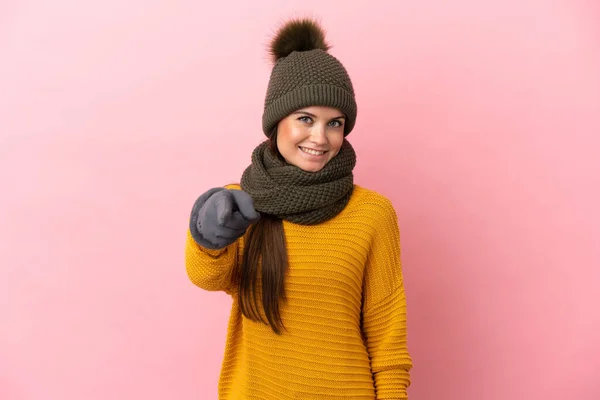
x=345 y=314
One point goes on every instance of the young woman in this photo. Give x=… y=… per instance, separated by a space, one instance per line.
x=311 y=260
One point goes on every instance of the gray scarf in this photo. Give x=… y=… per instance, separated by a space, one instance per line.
x=290 y=193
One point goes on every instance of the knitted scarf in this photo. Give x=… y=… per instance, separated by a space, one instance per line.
x=290 y=193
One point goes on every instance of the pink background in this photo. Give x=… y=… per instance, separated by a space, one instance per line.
x=479 y=119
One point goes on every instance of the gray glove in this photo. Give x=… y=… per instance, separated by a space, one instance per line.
x=220 y=216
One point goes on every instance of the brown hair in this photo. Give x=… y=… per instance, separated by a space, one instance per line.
x=265 y=261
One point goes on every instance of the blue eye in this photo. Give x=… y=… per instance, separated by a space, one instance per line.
x=339 y=124
x=305 y=119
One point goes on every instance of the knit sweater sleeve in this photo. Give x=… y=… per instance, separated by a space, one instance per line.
x=384 y=307
x=211 y=269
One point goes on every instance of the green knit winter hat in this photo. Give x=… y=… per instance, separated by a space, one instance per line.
x=305 y=75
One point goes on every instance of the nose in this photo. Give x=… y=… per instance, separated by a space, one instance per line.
x=318 y=135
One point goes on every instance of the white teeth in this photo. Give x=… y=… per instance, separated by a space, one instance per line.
x=313 y=152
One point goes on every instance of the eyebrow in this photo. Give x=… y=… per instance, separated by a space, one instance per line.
x=314 y=116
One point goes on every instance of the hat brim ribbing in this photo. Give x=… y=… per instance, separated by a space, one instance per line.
x=308 y=96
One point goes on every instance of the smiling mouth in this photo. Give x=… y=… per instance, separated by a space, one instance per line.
x=312 y=152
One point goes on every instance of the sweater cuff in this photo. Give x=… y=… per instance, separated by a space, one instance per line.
x=392 y=384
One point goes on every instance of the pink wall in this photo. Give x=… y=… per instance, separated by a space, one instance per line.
x=480 y=120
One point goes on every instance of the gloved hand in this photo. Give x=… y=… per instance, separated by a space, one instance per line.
x=220 y=216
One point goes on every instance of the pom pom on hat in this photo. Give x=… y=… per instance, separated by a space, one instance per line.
x=297 y=35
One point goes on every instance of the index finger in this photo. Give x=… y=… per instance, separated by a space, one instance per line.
x=245 y=205
x=224 y=207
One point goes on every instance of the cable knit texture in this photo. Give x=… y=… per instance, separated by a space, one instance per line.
x=345 y=315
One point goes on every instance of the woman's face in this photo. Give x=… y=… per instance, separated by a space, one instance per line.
x=310 y=137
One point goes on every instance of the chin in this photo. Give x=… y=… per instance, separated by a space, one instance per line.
x=312 y=169
x=308 y=167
